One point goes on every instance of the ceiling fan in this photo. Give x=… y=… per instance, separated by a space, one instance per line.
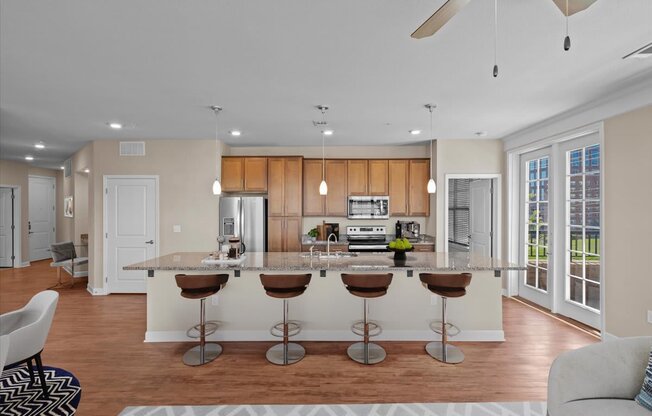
x=452 y=7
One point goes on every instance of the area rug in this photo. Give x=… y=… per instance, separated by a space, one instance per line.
x=17 y=397
x=390 y=409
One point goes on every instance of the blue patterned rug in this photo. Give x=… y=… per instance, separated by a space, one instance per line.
x=390 y=409
x=17 y=397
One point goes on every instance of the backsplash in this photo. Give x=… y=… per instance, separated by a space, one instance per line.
x=311 y=222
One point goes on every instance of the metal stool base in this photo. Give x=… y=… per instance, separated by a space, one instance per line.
x=374 y=353
x=276 y=354
x=192 y=357
x=454 y=355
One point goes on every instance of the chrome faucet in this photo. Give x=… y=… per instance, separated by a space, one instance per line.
x=328 y=244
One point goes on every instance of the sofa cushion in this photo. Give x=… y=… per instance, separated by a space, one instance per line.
x=602 y=407
x=644 y=398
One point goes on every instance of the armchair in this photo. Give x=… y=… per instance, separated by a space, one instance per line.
x=64 y=256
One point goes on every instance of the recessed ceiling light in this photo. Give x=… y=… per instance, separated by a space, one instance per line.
x=328 y=132
x=415 y=132
x=481 y=133
x=115 y=126
x=39 y=146
x=236 y=132
x=62 y=168
x=28 y=157
x=87 y=170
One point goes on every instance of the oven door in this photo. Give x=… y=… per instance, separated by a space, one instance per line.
x=368 y=248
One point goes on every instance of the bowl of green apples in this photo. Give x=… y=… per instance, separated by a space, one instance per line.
x=400 y=246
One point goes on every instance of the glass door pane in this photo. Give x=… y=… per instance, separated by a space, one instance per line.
x=536 y=222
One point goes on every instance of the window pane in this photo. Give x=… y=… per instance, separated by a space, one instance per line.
x=575 y=161
x=532 y=213
x=592 y=213
x=543 y=168
x=593 y=295
x=592 y=186
x=575 y=184
x=543 y=190
x=543 y=257
x=593 y=270
x=576 y=215
x=575 y=290
x=576 y=242
x=531 y=254
x=532 y=169
x=543 y=279
x=592 y=158
x=576 y=264
x=543 y=235
x=543 y=212
x=532 y=191
x=531 y=276
x=592 y=240
x=532 y=234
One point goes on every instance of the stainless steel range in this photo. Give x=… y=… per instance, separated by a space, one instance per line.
x=367 y=238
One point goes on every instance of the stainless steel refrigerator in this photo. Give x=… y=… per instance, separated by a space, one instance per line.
x=245 y=217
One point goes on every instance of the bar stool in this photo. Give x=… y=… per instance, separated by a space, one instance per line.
x=200 y=287
x=366 y=286
x=446 y=286
x=285 y=286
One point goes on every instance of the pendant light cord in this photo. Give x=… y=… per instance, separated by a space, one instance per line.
x=495 y=32
x=566 y=17
x=323 y=163
x=217 y=147
x=430 y=108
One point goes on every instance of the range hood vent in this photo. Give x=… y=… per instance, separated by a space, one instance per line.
x=132 y=148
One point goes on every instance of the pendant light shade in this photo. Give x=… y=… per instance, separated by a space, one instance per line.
x=432 y=186
x=323 y=188
x=217 y=186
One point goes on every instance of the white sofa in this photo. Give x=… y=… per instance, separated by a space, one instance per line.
x=600 y=379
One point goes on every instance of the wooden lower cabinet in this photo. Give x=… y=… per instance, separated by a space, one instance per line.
x=424 y=247
x=284 y=234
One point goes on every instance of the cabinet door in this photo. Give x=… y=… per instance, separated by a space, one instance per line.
x=275 y=187
x=336 y=178
x=255 y=176
x=419 y=198
x=398 y=187
x=293 y=185
x=313 y=203
x=232 y=174
x=357 y=177
x=292 y=234
x=378 y=177
x=275 y=233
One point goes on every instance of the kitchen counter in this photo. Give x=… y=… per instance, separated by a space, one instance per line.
x=423 y=239
x=423 y=262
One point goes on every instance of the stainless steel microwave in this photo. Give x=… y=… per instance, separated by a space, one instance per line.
x=368 y=207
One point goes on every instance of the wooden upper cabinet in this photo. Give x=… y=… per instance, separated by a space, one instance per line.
x=336 y=179
x=293 y=186
x=313 y=203
x=244 y=174
x=357 y=177
x=275 y=187
x=255 y=174
x=232 y=174
x=419 y=198
x=378 y=177
x=398 y=174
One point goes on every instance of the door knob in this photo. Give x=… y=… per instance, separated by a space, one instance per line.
x=149 y=242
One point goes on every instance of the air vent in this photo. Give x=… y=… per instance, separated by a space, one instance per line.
x=132 y=148
x=67 y=168
x=644 y=52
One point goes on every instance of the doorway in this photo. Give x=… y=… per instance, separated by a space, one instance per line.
x=41 y=216
x=130 y=230
x=472 y=214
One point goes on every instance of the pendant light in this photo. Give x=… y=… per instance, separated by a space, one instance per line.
x=217 y=186
x=323 y=187
x=567 y=42
x=432 y=186
x=495 y=39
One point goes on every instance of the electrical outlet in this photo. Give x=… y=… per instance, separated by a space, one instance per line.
x=433 y=299
x=215 y=300
x=176 y=228
x=649 y=317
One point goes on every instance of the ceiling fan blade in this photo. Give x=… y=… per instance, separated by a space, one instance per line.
x=574 y=6
x=439 y=18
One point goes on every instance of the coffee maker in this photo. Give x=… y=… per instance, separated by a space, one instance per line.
x=408 y=229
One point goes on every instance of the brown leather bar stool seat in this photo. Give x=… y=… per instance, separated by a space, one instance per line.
x=446 y=286
x=200 y=287
x=285 y=286
x=366 y=286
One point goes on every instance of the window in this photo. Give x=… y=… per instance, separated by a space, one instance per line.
x=536 y=222
x=583 y=226
x=459 y=202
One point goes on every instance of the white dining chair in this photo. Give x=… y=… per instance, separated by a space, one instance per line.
x=28 y=329
x=4 y=349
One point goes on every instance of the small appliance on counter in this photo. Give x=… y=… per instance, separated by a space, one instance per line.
x=408 y=229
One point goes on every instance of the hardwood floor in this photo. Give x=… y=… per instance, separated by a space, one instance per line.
x=100 y=340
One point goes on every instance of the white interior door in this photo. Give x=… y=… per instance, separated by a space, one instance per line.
x=131 y=207
x=41 y=223
x=480 y=219
x=6 y=227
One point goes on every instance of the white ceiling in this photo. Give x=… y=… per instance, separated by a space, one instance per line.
x=68 y=67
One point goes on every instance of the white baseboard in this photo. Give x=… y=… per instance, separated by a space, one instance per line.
x=608 y=337
x=23 y=264
x=318 y=335
x=96 y=292
x=505 y=293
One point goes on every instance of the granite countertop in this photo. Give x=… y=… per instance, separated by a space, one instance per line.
x=418 y=261
x=423 y=239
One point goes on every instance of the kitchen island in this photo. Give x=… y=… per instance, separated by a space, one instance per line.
x=326 y=310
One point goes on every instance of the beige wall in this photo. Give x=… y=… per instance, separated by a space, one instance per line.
x=186 y=170
x=464 y=157
x=17 y=174
x=628 y=222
